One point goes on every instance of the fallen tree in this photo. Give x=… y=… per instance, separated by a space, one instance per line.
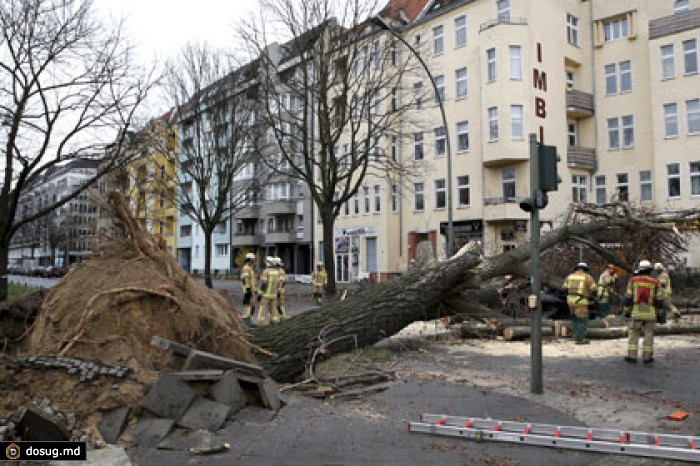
x=427 y=289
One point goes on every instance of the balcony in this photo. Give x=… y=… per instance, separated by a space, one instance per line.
x=502 y=20
x=499 y=209
x=251 y=211
x=581 y=157
x=242 y=239
x=280 y=237
x=281 y=206
x=579 y=104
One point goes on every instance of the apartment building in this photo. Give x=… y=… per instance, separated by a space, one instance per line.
x=613 y=85
x=152 y=180
x=271 y=211
x=66 y=235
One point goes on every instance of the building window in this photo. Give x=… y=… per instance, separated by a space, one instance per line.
x=377 y=104
x=690 y=56
x=460 y=31
x=439 y=141
x=440 y=84
x=491 y=65
x=692 y=113
x=695 y=178
x=623 y=187
x=440 y=194
x=493 y=124
x=645 y=186
x=613 y=133
x=419 y=197
x=418 y=146
x=161 y=200
x=221 y=250
x=600 y=194
x=616 y=29
x=570 y=83
x=463 y=191
x=681 y=5
x=503 y=10
x=671 y=120
x=395 y=148
x=377 y=198
x=461 y=83
x=356 y=202
x=394 y=197
x=516 y=121
x=668 y=67
x=674 y=179
x=579 y=188
x=573 y=134
x=394 y=100
x=346 y=208
x=628 y=131
x=572 y=29
x=610 y=79
x=462 y=136
x=438 y=40
x=185 y=230
x=516 y=62
x=418 y=95
x=365 y=189
x=508 y=184
x=625 y=76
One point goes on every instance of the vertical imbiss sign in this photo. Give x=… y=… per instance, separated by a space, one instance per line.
x=539 y=82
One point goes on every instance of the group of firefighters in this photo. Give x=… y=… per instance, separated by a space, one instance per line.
x=268 y=289
x=646 y=300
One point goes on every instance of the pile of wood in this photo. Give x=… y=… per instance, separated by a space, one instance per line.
x=512 y=329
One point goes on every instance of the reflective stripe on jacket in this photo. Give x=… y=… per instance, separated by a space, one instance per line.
x=665 y=283
x=270 y=280
x=248 y=277
x=580 y=286
x=643 y=290
x=605 y=283
x=319 y=278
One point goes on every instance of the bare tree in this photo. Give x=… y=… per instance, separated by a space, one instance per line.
x=67 y=86
x=217 y=127
x=332 y=99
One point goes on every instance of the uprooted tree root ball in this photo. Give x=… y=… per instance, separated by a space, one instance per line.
x=108 y=309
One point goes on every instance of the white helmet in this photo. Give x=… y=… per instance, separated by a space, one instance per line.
x=582 y=266
x=250 y=256
x=278 y=262
x=644 y=265
x=269 y=261
x=319 y=263
x=658 y=266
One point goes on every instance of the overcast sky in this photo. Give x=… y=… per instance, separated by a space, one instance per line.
x=161 y=27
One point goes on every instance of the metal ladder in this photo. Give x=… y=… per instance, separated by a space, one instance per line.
x=619 y=442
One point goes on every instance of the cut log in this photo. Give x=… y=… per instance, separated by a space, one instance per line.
x=471 y=330
x=622 y=332
x=501 y=323
x=521 y=333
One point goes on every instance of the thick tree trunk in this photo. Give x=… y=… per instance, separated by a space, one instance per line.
x=328 y=222
x=520 y=333
x=4 y=259
x=366 y=318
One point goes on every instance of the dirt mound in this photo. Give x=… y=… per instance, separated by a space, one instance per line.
x=108 y=308
x=16 y=318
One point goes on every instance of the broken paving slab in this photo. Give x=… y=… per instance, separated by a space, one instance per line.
x=254 y=415
x=183 y=439
x=229 y=392
x=149 y=432
x=260 y=392
x=169 y=397
x=113 y=423
x=202 y=360
x=36 y=425
x=205 y=414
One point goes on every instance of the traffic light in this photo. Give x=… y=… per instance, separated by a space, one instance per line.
x=548 y=158
x=547 y=177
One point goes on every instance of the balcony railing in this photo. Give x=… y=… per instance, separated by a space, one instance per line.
x=579 y=104
x=502 y=20
x=499 y=200
x=581 y=157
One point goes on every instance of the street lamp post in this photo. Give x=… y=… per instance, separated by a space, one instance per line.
x=379 y=21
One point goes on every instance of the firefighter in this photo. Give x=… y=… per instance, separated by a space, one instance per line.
x=580 y=288
x=606 y=283
x=250 y=289
x=269 y=284
x=319 y=280
x=281 y=312
x=642 y=296
x=665 y=294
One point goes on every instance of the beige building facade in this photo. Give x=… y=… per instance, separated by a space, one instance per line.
x=614 y=85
